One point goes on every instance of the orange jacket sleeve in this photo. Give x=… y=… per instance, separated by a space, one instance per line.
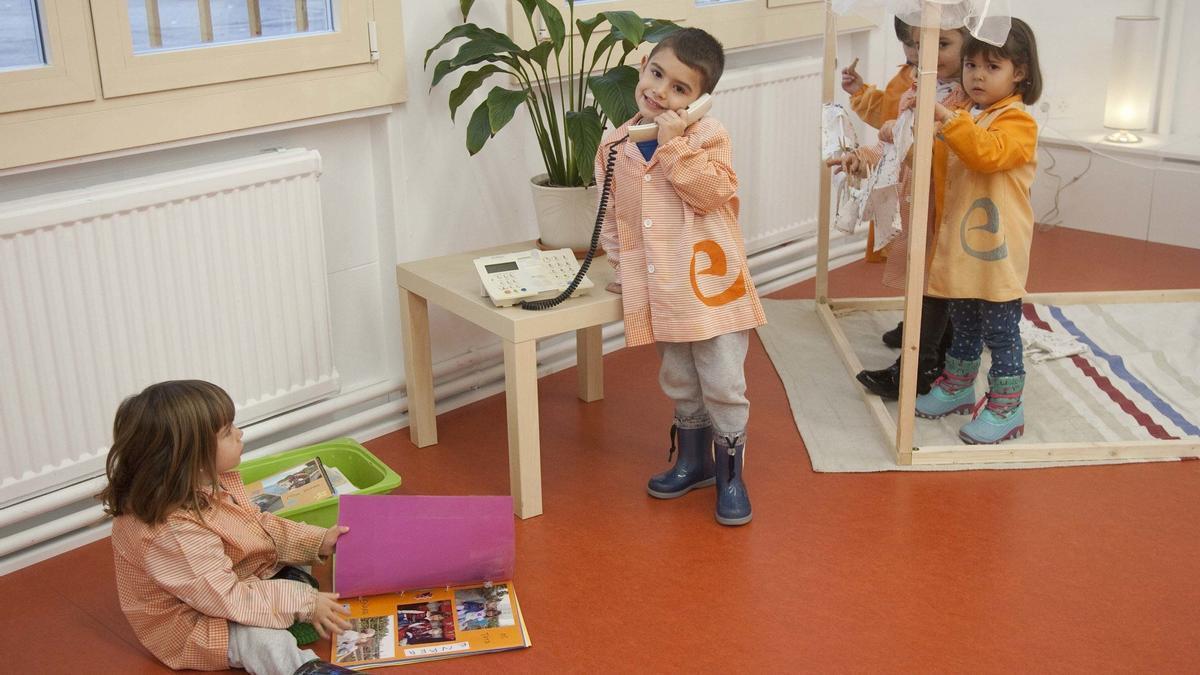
x=1009 y=142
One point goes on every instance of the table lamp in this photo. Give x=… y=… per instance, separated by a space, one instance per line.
x=1131 y=78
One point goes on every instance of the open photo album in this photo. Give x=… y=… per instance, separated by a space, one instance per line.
x=425 y=578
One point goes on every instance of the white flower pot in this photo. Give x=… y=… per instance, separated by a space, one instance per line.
x=565 y=215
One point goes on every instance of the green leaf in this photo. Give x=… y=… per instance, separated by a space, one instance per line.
x=471 y=81
x=484 y=45
x=448 y=66
x=658 y=29
x=502 y=105
x=586 y=26
x=628 y=25
x=478 y=130
x=465 y=7
x=614 y=93
x=528 y=6
x=541 y=53
x=584 y=130
x=465 y=30
x=602 y=47
x=554 y=23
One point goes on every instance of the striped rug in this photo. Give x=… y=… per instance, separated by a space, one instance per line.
x=1139 y=380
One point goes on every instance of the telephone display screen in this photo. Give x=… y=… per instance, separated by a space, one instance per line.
x=500 y=267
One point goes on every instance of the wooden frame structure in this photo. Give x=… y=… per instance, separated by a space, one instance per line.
x=901 y=430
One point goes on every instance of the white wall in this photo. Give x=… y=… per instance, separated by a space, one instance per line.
x=401 y=186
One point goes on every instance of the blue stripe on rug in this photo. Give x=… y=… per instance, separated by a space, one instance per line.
x=1118 y=367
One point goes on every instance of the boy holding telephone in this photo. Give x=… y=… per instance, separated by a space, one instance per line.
x=672 y=235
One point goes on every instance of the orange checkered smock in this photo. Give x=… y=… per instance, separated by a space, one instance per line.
x=182 y=581
x=671 y=231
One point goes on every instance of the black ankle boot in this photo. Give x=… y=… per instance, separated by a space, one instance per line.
x=895 y=336
x=885 y=383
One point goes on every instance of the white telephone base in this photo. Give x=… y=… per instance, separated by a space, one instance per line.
x=509 y=278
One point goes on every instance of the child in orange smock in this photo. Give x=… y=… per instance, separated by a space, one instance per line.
x=981 y=256
x=671 y=232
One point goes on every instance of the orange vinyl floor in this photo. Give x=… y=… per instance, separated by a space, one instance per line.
x=1088 y=569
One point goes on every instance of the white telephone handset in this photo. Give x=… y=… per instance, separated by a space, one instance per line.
x=509 y=278
x=649 y=131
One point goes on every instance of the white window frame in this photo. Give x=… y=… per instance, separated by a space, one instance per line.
x=67 y=77
x=37 y=129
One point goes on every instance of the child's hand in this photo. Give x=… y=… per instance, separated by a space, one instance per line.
x=671 y=124
x=330 y=540
x=326 y=615
x=909 y=98
x=613 y=287
x=835 y=163
x=852 y=82
x=887 y=131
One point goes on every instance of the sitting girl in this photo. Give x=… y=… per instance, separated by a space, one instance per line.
x=194 y=557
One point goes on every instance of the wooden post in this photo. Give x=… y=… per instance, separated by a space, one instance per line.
x=254 y=17
x=914 y=285
x=206 y=25
x=827 y=74
x=153 y=24
x=301 y=16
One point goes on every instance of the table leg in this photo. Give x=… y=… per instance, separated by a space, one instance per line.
x=524 y=438
x=589 y=362
x=418 y=368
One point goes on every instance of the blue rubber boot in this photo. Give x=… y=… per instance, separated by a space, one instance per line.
x=733 y=500
x=952 y=391
x=1000 y=415
x=693 y=464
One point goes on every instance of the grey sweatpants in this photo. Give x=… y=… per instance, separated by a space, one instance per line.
x=265 y=651
x=707 y=382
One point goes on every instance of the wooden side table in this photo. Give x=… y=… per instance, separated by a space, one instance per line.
x=452 y=283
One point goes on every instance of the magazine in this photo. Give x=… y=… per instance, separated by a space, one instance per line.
x=304 y=484
x=425 y=578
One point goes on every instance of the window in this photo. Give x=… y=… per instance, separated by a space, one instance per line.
x=21 y=35
x=155 y=45
x=174 y=24
x=44 y=59
x=736 y=23
x=166 y=70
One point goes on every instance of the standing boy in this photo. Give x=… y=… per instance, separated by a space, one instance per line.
x=671 y=232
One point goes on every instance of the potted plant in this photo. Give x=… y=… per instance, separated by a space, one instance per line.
x=568 y=125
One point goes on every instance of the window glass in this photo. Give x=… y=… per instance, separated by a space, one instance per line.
x=21 y=44
x=185 y=24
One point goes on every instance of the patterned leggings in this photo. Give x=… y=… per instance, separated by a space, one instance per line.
x=997 y=324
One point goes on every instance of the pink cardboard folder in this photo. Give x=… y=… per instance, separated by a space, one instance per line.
x=402 y=542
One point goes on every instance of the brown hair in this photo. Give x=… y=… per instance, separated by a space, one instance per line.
x=164 y=449
x=1021 y=48
x=699 y=51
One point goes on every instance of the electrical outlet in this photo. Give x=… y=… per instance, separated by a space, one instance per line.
x=1055 y=107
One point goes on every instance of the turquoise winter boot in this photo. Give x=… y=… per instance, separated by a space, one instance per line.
x=1002 y=416
x=952 y=391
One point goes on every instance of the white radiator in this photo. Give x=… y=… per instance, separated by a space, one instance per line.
x=773 y=114
x=216 y=273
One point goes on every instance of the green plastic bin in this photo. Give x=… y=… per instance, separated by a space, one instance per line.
x=364 y=471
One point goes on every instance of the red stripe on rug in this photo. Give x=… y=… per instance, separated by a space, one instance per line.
x=1105 y=385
